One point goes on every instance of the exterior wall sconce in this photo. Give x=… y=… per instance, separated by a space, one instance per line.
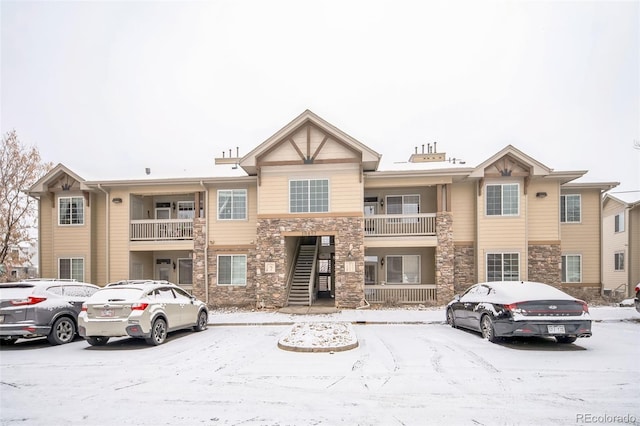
x=382 y=202
x=174 y=206
x=541 y=194
x=382 y=261
x=117 y=200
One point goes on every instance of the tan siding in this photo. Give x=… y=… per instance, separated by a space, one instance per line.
x=501 y=234
x=613 y=242
x=72 y=240
x=98 y=240
x=584 y=238
x=404 y=182
x=45 y=255
x=543 y=218
x=233 y=232
x=463 y=208
x=633 y=259
x=345 y=188
x=119 y=236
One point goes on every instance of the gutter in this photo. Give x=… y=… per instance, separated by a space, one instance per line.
x=107 y=227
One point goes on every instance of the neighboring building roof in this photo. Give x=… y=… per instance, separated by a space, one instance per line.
x=628 y=199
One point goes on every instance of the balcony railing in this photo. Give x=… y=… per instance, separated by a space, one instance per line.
x=400 y=293
x=389 y=225
x=162 y=230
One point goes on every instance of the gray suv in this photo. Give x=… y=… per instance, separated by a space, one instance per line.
x=42 y=307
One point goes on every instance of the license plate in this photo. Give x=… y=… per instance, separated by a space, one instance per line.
x=555 y=329
x=107 y=312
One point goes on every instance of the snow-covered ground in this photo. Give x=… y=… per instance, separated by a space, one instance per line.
x=408 y=369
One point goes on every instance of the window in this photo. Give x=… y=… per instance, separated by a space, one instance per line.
x=403 y=269
x=503 y=267
x=570 y=208
x=185 y=271
x=619 y=222
x=309 y=196
x=71 y=211
x=186 y=209
x=232 y=204
x=571 y=268
x=232 y=270
x=618 y=261
x=502 y=200
x=71 y=268
x=403 y=204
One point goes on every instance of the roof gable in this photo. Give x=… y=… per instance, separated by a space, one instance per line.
x=309 y=139
x=60 y=178
x=510 y=161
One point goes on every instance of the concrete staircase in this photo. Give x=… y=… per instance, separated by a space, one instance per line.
x=299 y=291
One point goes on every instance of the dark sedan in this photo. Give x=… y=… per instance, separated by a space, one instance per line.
x=514 y=309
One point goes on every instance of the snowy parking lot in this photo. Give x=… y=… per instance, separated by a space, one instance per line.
x=402 y=372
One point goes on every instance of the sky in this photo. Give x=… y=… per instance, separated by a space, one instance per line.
x=110 y=88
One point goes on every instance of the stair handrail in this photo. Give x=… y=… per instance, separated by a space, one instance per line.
x=292 y=267
x=314 y=266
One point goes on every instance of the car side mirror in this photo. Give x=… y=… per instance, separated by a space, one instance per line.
x=456 y=297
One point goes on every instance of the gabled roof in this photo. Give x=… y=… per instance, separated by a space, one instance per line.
x=629 y=199
x=60 y=171
x=510 y=157
x=370 y=158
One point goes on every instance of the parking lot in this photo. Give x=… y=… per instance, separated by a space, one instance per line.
x=405 y=374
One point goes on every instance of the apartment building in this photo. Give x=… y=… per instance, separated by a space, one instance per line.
x=310 y=215
x=621 y=244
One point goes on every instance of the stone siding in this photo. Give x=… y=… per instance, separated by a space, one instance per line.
x=445 y=257
x=545 y=263
x=271 y=288
x=465 y=268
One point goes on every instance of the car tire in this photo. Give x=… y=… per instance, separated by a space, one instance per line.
x=97 y=340
x=158 y=332
x=201 y=323
x=487 y=329
x=565 y=339
x=450 y=319
x=63 y=331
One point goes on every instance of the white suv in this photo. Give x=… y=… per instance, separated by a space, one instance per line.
x=141 y=309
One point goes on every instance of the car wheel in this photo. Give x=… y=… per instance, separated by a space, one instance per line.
x=97 y=340
x=158 y=332
x=63 y=331
x=566 y=339
x=486 y=326
x=202 y=321
x=8 y=341
x=450 y=319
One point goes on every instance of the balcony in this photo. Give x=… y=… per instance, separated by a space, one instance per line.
x=401 y=293
x=395 y=225
x=161 y=230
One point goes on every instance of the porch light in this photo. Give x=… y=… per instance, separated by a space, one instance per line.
x=382 y=261
x=381 y=202
x=541 y=194
x=117 y=200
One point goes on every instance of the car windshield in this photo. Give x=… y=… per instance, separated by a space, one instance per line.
x=115 y=294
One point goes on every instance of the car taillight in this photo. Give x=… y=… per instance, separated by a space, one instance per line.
x=511 y=306
x=31 y=300
x=139 y=306
x=585 y=307
x=84 y=307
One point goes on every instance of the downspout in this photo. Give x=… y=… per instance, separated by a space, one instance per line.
x=107 y=266
x=206 y=243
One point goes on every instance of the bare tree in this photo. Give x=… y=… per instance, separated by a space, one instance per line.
x=20 y=167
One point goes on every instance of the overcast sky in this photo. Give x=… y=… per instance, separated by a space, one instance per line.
x=109 y=88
